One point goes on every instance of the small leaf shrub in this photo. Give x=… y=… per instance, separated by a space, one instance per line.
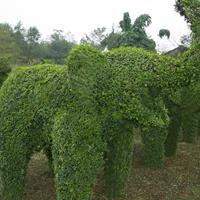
x=29 y=99
x=141 y=82
x=4 y=69
x=82 y=116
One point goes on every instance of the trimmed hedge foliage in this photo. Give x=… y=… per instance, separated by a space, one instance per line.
x=118 y=157
x=189 y=127
x=153 y=138
x=29 y=99
x=77 y=136
x=4 y=69
x=189 y=103
x=173 y=129
x=83 y=115
x=141 y=81
x=190 y=114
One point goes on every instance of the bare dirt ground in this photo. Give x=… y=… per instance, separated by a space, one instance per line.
x=178 y=180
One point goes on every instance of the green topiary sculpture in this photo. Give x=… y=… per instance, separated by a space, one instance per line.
x=82 y=116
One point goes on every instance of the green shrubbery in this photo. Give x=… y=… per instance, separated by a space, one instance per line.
x=79 y=113
x=29 y=99
x=67 y=110
x=4 y=69
x=184 y=106
x=173 y=129
x=78 y=145
x=83 y=115
x=142 y=81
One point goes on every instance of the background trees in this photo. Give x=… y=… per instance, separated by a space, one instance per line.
x=95 y=38
x=134 y=34
x=164 y=32
x=58 y=48
x=26 y=46
x=8 y=47
x=4 y=69
x=129 y=35
x=21 y=46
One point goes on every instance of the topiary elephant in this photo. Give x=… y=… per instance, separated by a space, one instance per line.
x=82 y=116
x=184 y=105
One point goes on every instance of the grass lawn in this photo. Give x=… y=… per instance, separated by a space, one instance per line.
x=178 y=180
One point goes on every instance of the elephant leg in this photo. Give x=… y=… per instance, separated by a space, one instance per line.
x=77 y=150
x=198 y=130
x=48 y=152
x=118 y=157
x=189 y=127
x=173 y=130
x=14 y=157
x=153 y=139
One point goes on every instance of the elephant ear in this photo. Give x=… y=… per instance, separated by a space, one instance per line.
x=85 y=64
x=85 y=58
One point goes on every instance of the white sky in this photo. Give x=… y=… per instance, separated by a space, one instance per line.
x=82 y=16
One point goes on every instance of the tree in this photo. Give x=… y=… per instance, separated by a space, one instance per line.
x=190 y=10
x=58 y=48
x=33 y=35
x=32 y=48
x=8 y=45
x=95 y=38
x=133 y=35
x=163 y=33
x=125 y=24
x=20 y=39
x=142 y=22
x=4 y=69
x=112 y=40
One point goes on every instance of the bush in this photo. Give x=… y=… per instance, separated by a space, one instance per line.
x=78 y=145
x=4 y=69
x=118 y=157
x=83 y=114
x=190 y=115
x=36 y=105
x=173 y=130
x=189 y=126
x=141 y=78
x=29 y=99
x=153 y=139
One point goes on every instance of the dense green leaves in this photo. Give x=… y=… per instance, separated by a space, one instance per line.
x=164 y=32
x=58 y=48
x=85 y=113
x=183 y=105
x=4 y=69
x=131 y=35
x=125 y=24
x=82 y=115
x=27 y=104
x=118 y=157
x=24 y=47
x=8 y=45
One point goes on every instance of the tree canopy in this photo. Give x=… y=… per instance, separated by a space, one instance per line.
x=25 y=46
x=132 y=34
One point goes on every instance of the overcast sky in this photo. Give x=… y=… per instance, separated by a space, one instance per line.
x=82 y=16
